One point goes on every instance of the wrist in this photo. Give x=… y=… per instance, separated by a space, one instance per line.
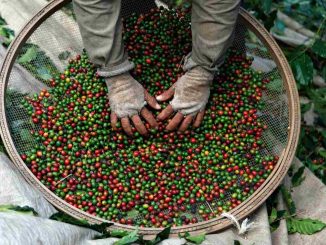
x=201 y=75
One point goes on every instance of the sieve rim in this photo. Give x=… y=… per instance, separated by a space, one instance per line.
x=243 y=210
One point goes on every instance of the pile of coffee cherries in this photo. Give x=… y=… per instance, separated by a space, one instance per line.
x=166 y=178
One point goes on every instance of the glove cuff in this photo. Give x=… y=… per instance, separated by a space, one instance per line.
x=116 y=69
x=189 y=63
x=201 y=75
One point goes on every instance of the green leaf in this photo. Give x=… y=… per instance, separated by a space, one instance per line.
x=290 y=171
x=43 y=73
x=305 y=107
x=288 y=200
x=319 y=48
x=68 y=219
x=184 y=235
x=298 y=177
x=323 y=72
x=2 y=21
x=270 y=19
x=275 y=85
x=236 y=242
x=30 y=55
x=196 y=239
x=62 y=217
x=64 y=55
x=178 y=2
x=302 y=68
x=273 y=216
x=6 y=35
x=274 y=226
x=25 y=135
x=304 y=226
x=279 y=27
x=2 y=147
x=323 y=133
x=101 y=228
x=323 y=154
x=162 y=236
x=281 y=214
x=317 y=95
x=119 y=233
x=291 y=2
x=128 y=239
x=267 y=5
x=23 y=210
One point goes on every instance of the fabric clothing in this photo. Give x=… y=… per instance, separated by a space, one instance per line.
x=212 y=23
x=100 y=24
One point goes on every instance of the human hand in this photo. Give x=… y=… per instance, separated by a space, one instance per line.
x=127 y=100
x=191 y=93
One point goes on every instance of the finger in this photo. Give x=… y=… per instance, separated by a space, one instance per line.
x=199 y=119
x=185 y=124
x=126 y=126
x=166 y=94
x=148 y=116
x=167 y=112
x=114 y=120
x=139 y=125
x=152 y=101
x=176 y=120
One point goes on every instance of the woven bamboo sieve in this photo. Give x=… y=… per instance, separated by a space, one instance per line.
x=282 y=113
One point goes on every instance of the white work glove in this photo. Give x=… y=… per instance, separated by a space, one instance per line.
x=191 y=93
x=127 y=100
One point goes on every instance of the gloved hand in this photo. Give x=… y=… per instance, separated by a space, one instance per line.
x=127 y=100
x=191 y=93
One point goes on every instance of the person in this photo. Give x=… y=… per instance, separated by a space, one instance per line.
x=212 y=23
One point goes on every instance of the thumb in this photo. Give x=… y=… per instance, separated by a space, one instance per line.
x=152 y=101
x=168 y=94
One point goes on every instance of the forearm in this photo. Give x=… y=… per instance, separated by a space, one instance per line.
x=101 y=30
x=213 y=23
